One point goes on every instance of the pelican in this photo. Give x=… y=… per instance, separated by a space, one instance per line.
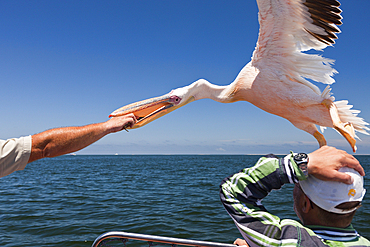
x=277 y=78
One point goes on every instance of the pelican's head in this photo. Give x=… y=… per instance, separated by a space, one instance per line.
x=148 y=110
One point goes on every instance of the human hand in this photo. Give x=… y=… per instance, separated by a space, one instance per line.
x=119 y=123
x=325 y=162
x=240 y=242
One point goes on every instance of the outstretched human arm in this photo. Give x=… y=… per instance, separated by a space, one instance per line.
x=59 y=141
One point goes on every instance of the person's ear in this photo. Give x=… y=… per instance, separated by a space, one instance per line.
x=307 y=205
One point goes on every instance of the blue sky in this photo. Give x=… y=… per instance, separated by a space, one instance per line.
x=68 y=63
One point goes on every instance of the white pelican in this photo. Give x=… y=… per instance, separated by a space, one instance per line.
x=275 y=80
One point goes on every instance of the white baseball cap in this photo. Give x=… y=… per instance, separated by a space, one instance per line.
x=328 y=194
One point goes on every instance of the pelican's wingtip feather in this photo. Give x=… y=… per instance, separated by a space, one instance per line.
x=324 y=15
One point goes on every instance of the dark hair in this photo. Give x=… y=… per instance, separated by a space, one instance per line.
x=349 y=205
x=339 y=220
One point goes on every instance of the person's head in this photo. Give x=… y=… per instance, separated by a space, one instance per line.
x=328 y=203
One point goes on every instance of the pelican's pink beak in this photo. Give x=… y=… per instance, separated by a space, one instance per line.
x=148 y=110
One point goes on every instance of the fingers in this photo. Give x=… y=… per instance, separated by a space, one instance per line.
x=342 y=177
x=121 y=122
x=130 y=116
x=325 y=162
x=240 y=242
x=355 y=164
x=350 y=161
x=130 y=120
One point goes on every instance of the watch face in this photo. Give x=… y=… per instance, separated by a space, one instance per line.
x=300 y=156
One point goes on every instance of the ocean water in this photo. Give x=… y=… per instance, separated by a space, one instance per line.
x=71 y=200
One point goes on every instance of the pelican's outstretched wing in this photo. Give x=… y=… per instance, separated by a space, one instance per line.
x=289 y=27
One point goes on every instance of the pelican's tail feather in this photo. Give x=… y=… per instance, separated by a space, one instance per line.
x=348 y=115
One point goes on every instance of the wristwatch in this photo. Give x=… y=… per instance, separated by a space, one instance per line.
x=301 y=159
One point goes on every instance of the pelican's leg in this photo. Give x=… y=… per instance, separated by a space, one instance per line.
x=311 y=128
x=345 y=129
x=320 y=138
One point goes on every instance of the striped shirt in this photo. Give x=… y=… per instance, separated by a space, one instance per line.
x=242 y=193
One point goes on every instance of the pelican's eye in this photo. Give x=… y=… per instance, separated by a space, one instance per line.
x=175 y=100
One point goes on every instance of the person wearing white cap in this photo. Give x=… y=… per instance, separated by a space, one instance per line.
x=329 y=189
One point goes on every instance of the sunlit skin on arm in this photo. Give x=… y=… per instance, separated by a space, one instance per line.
x=59 y=141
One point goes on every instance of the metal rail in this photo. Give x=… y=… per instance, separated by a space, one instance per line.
x=157 y=239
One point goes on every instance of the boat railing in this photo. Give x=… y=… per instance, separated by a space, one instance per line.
x=104 y=239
